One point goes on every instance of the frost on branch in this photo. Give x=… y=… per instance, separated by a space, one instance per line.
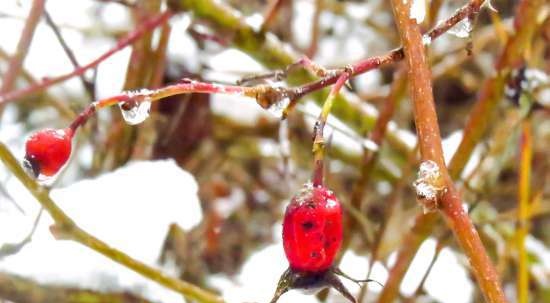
x=428 y=185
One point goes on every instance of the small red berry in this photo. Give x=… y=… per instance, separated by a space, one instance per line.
x=48 y=150
x=312 y=229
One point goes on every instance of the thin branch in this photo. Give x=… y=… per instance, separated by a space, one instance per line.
x=431 y=150
x=88 y=85
x=66 y=228
x=16 y=61
x=122 y=43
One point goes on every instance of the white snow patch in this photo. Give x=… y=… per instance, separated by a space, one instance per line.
x=418 y=10
x=130 y=209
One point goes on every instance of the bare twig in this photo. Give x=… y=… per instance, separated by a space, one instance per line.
x=16 y=61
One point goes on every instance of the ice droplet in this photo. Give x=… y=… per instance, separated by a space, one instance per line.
x=369 y=144
x=277 y=108
x=462 y=29
x=428 y=185
x=135 y=113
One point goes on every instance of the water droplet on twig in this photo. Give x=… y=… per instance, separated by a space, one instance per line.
x=462 y=29
x=135 y=112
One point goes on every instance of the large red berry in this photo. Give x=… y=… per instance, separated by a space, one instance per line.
x=312 y=229
x=48 y=150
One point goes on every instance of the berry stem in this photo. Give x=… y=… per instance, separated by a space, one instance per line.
x=431 y=150
x=318 y=139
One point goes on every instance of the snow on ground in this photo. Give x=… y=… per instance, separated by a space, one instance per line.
x=130 y=209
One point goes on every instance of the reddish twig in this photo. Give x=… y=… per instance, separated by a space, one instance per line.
x=122 y=43
x=431 y=150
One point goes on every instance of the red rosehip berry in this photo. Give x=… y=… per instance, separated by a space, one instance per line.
x=46 y=151
x=312 y=229
x=312 y=236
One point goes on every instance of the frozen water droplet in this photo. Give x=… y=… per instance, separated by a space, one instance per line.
x=135 y=113
x=462 y=29
x=278 y=108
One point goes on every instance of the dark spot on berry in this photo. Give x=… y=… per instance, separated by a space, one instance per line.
x=308 y=225
x=327 y=243
x=315 y=254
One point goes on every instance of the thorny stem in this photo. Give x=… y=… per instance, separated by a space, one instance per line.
x=491 y=93
x=6 y=96
x=16 y=62
x=524 y=188
x=319 y=140
x=431 y=149
x=67 y=229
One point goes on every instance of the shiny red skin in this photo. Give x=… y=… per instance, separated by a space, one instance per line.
x=49 y=149
x=312 y=230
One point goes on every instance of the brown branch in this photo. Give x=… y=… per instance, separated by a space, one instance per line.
x=431 y=149
x=16 y=61
x=487 y=100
